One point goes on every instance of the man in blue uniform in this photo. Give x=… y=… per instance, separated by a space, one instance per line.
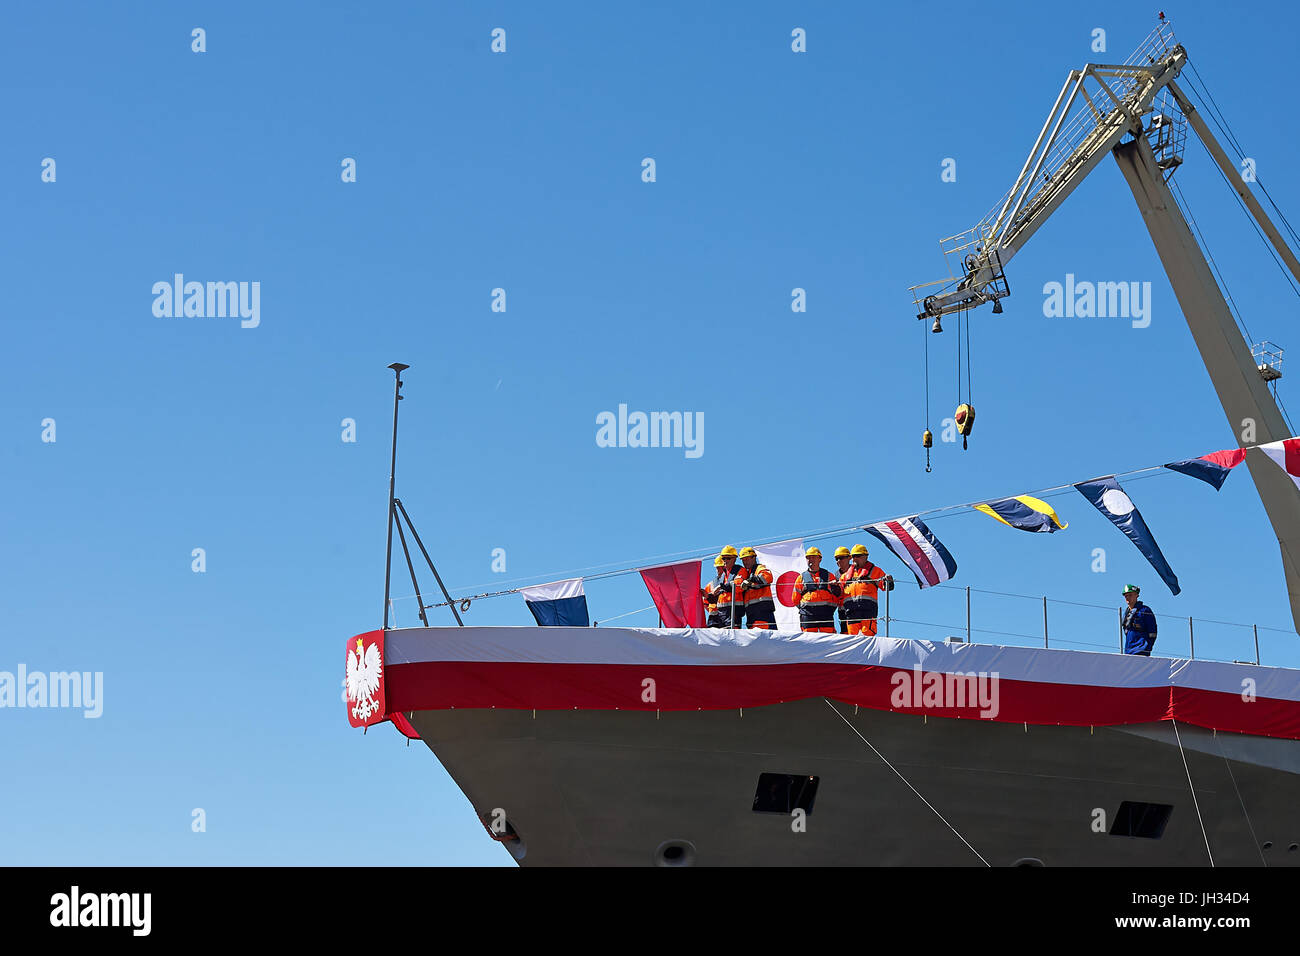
x=1139 y=624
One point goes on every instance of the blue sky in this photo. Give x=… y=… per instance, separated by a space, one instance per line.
x=522 y=171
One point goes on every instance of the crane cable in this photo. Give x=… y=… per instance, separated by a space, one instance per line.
x=926 y=333
x=1201 y=88
x=1181 y=199
x=1186 y=208
x=963 y=321
x=961 y=313
x=1268 y=246
x=964 y=417
x=970 y=400
x=927 y=437
x=1222 y=122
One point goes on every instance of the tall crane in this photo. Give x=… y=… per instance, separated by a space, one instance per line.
x=1137 y=113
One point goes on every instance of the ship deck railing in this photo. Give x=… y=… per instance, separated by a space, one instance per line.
x=982 y=616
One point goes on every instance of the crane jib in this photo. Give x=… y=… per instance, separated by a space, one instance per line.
x=1112 y=101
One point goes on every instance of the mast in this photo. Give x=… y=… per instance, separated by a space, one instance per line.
x=397 y=368
x=396 y=515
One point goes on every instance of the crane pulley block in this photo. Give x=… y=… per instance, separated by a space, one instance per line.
x=965 y=419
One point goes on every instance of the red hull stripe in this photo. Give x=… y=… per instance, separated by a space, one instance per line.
x=694 y=669
x=437 y=685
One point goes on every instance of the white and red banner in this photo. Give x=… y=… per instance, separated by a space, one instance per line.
x=706 y=669
x=786 y=562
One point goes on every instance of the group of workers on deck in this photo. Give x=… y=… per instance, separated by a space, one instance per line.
x=741 y=595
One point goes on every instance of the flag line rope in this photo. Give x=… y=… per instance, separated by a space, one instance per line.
x=943 y=511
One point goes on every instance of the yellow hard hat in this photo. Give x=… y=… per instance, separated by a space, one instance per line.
x=841 y=552
x=718 y=562
x=811 y=551
x=748 y=553
x=859 y=549
x=728 y=551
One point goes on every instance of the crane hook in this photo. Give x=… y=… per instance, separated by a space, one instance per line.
x=965 y=419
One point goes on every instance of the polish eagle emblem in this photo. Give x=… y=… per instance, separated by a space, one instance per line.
x=363 y=680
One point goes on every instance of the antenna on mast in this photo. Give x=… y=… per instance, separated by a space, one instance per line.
x=396 y=515
x=398 y=368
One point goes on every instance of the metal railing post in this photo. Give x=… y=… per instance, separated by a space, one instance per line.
x=1045 y=620
x=1191 y=636
x=1255 y=628
x=968 y=614
x=889 y=591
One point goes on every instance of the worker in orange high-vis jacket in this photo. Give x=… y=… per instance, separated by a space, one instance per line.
x=818 y=595
x=729 y=607
x=709 y=595
x=862 y=584
x=843 y=565
x=756 y=591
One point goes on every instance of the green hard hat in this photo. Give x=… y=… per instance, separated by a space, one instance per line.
x=1131 y=587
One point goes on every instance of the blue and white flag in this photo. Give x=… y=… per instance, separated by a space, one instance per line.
x=1109 y=498
x=558 y=604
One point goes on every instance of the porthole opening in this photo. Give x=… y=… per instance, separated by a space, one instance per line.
x=675 y=853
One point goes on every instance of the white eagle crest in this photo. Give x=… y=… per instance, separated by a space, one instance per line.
x=363 y=680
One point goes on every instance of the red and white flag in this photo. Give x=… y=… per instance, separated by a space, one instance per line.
x=1287 y=454
x=786 y=562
